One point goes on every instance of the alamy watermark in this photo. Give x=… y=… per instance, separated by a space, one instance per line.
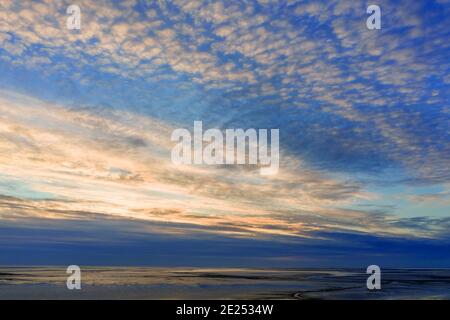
x=74 y=279
x=74 y=19
x=230 y=149
x=374 y=280
x=373 y=22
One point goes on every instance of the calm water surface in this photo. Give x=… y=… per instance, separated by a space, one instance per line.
x=221 y=283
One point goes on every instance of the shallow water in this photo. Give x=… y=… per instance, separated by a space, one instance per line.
x=221 y=283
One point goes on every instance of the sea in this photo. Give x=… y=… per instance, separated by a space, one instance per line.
x=221 y=283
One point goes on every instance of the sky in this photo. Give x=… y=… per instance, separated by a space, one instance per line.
x=86 y=117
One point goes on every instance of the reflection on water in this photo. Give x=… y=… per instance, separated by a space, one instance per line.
x=220 y=283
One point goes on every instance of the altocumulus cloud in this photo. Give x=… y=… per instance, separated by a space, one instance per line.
x=363 y=116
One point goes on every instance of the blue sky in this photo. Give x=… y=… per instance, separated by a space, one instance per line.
x=87 y=114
